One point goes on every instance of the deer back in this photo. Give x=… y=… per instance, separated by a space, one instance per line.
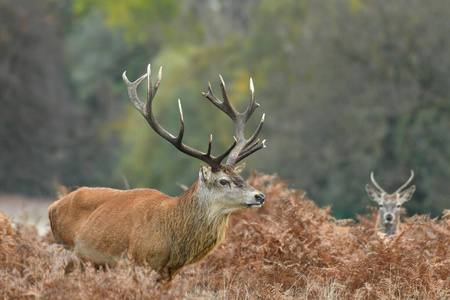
x=93 y=210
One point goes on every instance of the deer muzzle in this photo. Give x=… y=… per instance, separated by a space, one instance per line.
x=259 y=199
x=389 y=218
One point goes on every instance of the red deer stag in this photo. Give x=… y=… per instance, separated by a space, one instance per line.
x=388 y=220
x=166 y=233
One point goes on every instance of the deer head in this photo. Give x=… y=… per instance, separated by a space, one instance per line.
x=389 y=205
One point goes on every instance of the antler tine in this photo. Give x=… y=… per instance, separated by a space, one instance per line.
x=224 y=105
x=227 y=106
x=256 y=133
x=179 y=138
x=242 y=149
x=249 y=151
x=253 y=105
x=406 y=183
x=131 y=87
x=147 y=111
x=376 y=184
x=151 y=91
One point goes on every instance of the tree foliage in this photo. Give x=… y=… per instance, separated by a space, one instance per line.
x=139 y=19
x=363 y=100
x=348 y=87
x=34 y=99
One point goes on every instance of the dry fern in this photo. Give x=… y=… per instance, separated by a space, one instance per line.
x=290 y=248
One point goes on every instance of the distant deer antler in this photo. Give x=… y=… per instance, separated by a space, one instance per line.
x=399 y=189
x=244 y=147
x=376 y=184
x=406 y=183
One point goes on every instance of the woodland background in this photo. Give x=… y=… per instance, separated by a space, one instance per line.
x=348 y=87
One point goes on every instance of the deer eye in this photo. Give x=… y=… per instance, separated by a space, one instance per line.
x=223 y=182
x=380 y=205
x=398 y=205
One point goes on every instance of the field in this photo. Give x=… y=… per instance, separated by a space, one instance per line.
x=288 y=249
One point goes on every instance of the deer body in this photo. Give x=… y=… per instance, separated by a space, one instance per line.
x=389 y=205
x=147 y=225
x=166 y=233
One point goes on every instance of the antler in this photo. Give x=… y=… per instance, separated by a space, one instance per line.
x=406 y=183
x=147 y=111
x=244 y=147
x=399 y=190
x=376 y=184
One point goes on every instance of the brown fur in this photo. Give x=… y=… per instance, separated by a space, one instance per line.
x=105 y=225
x=389 y=204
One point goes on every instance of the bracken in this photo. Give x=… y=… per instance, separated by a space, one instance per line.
x=287 y=249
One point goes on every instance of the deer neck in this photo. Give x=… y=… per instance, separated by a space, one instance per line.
x=197 y=230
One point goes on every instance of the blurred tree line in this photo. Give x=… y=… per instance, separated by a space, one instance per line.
x=348 y=87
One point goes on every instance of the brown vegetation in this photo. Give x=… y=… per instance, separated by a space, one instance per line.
x=290 y=248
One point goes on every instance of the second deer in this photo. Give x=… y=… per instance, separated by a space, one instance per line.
x=389 y=205
x=106 y=225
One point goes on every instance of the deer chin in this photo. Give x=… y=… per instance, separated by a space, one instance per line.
x=253 y=205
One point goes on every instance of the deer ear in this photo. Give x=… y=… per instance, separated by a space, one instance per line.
x=239 y=168
x=407 y=195
x=205 y=173
x=373 y=194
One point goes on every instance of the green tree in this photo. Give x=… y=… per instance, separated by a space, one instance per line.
x=34 y=99
x=142 y=22
x=370 y=93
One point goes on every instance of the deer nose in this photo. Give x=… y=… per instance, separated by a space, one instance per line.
x=389 y=217
x=260 y=198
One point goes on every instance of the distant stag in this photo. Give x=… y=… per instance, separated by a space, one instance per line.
x=105 y=225
x=389 y=205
